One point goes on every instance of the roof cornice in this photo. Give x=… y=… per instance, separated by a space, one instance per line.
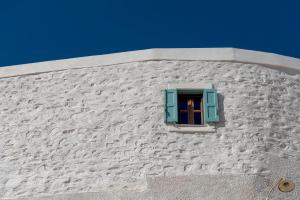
x=283 y=63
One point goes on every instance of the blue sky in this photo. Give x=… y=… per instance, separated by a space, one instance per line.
x=40 y=30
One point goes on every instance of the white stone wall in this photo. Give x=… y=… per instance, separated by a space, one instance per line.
x=102 y=128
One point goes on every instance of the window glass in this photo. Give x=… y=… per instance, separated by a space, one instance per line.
x=183 y=117
x=182 y=104
x=197 y=105
x=197 y=118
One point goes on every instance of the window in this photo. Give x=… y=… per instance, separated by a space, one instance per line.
x=191 y=106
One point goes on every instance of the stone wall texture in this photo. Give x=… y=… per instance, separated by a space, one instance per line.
x=102 y=128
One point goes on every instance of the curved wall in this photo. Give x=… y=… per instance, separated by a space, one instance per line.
x=102 y=127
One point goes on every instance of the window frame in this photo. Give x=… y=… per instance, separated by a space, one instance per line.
x=190 y=110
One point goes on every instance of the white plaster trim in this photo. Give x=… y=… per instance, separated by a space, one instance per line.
x=275 y=61
x=191 y=128
x=185 y=86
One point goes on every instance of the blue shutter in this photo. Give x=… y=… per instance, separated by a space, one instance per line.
x=171 y=110
x=211 y=109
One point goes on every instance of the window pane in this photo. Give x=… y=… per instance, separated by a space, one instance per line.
x=197 y=104
x=183 y=118
x=197 y=118
x=182 y=104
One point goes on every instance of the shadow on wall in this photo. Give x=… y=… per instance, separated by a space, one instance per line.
x=222 y=121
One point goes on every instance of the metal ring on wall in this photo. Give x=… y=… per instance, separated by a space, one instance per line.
x=286 y=185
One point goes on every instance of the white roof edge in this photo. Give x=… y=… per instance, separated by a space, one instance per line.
x=283 y=63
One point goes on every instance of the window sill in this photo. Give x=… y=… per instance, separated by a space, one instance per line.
x=192 y=128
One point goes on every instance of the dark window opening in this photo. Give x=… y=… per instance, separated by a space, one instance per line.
x=190 y=109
